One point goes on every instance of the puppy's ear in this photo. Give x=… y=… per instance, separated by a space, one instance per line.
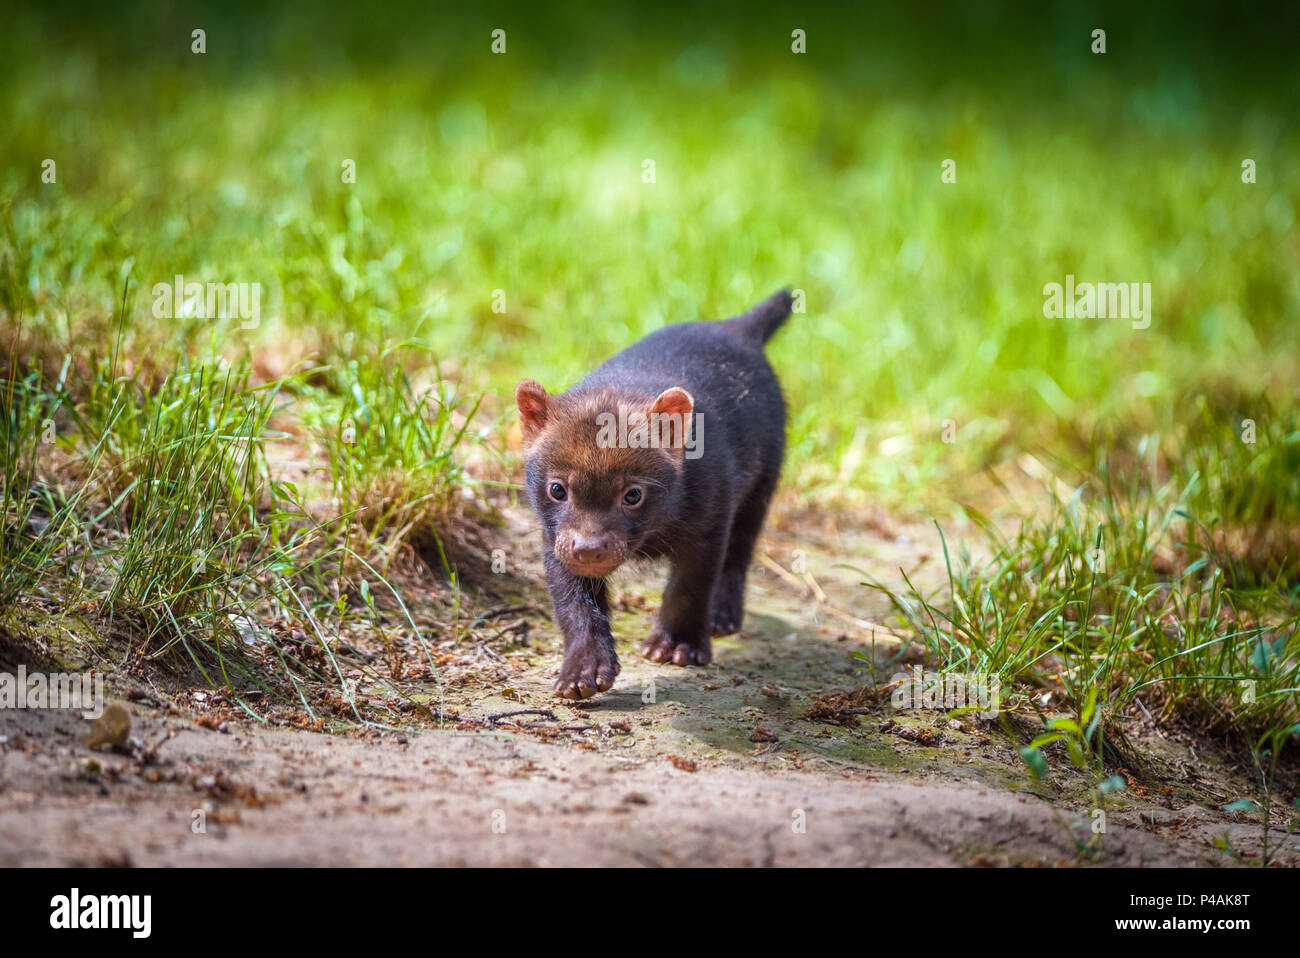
x=534 y=408
x=673 y=407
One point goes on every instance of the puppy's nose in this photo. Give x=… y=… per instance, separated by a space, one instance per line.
x=591 y=548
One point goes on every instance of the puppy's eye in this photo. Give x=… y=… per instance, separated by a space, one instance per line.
x=633 y=496
x=558 y=492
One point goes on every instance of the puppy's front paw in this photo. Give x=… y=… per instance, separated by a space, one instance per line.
x=662 y=647
x=586 y=671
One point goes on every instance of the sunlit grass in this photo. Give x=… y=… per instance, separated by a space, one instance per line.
x=1120 y=598
x=924 y=299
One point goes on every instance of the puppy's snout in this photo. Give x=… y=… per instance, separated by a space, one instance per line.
x=592 y=550
x=591 y=554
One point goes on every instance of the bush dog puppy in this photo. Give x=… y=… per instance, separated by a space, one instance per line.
x=671 y=449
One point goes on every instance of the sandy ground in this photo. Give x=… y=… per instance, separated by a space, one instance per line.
x=713 y=766
x=295 y=798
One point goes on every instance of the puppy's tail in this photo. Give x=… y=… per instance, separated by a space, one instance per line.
x=761 y=323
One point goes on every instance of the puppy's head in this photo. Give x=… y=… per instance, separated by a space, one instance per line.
x=604 y=469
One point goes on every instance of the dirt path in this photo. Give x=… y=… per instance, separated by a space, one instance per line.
x=674 y=766
x=505 y=800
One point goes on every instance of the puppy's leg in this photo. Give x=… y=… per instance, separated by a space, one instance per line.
x=681 y=633
x=582 y=610
x=729 y=595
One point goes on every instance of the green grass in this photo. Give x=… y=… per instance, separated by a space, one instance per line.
x=153 y=505
x=394 y=448
x=37 y=518
x=924 y=299
x=1122 y=599
x=1110 y=590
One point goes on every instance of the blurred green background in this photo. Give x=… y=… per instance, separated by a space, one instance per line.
x=523 y=172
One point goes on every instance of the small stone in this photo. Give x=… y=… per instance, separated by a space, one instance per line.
x=111 y=728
